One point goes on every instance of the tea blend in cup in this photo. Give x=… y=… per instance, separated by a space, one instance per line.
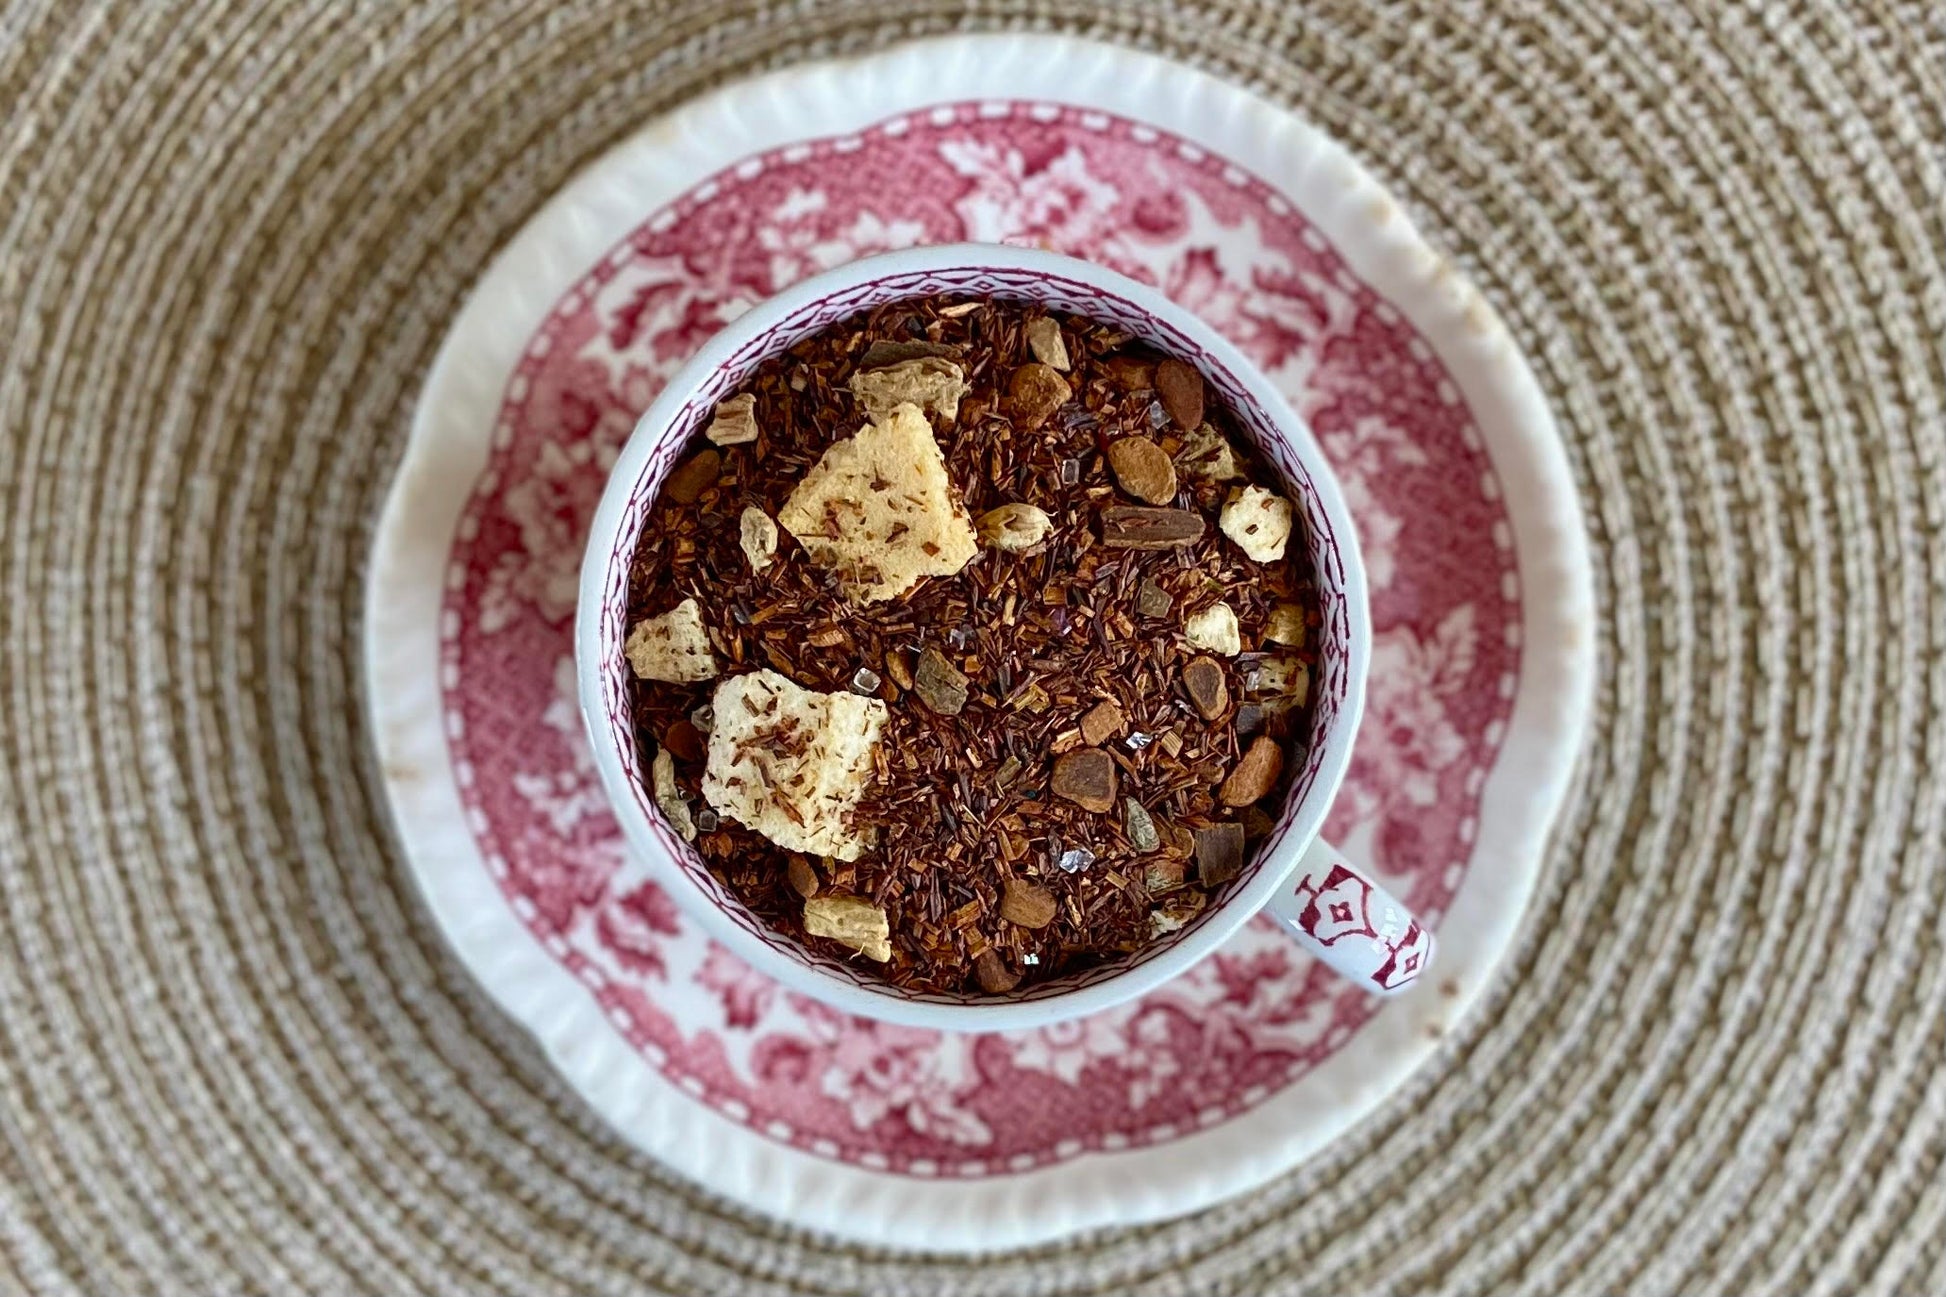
x=972 y=642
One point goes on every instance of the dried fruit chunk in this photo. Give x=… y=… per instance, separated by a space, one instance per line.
x=1207 y=455
x=791 y=763
x=1027 y=904
x=1209 y=692
x=1034 y=392
x=1151 y=600
x=1255 y=775
x=668 y=797
x=1087 y=778
x=693 y=476
x=1215 y=628
x=1181 y=389
x=1219 y=853
x=929 y=382
x=939 y=684
x=1143 y=469
x=673 y=647
x=1015 y=528
x=995 y=977
x=1140 y=826
x=1044 y=340
x=1103 y=722
x=1259 y=521
x=1125 y=526
x=880 y=509
x=735 y=422
x=758 y=535
x=851 y=921
x=1286 y=625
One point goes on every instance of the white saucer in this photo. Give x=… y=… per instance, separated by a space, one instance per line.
x=1482 y=603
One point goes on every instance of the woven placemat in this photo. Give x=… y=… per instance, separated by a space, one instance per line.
x=234 y=1054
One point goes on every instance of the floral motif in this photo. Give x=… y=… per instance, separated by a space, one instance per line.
x=879 y=1073
x=1363 y=455
x=744 y=993
x=1409 y=741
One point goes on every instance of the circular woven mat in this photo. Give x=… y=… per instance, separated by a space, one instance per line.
x=234 y=1055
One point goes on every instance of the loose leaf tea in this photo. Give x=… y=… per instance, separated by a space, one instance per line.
x=1036 y=765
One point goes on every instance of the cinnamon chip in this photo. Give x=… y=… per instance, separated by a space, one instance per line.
x=1027 y=904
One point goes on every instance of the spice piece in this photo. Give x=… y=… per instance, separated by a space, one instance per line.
x=1030 y=697
x=1287 y=681
x=1285 y=625
x=1215 y=628
x=1151 y=600
x=1027 y=904
x=1143 y=469
x=1132 y=373
x=1087 y=778
x=884 y=353
x=673 y=647
x=1209 y=693
x=1103 y=722
x=1257 y=823
x=1219 y=853
x=881 y=511
x=1044 y=340
x=693 y=476
x=684 y=741
x=1015 y=528
x=995 y=977
x=1208 y=455
x=791 y=763
x=1132 y=527
x=1074 y=860
x=1163 y=874
x=939 y=684
x=1176 y=914
x=1140 y=826
x=1180 y=388
x=898 y=665
x=1259 y=521
x=735 y=422
x=929 y=382
x=850 y=921
x=1035 y=392
x=804 y=879
x=1255 y=775
x=668 y=797
x=757 y=533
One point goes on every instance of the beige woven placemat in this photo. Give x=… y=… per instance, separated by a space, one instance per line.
x=234 y=1055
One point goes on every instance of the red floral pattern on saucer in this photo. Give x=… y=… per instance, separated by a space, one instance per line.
x=1254 y=1017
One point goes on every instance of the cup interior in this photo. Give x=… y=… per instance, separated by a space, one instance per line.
x=1058 y=283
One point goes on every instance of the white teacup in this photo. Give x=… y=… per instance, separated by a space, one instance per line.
x=1325 y=903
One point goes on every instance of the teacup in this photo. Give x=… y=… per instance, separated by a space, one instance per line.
x=1324 y=902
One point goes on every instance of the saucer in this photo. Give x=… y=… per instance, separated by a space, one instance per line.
x=1481 y=599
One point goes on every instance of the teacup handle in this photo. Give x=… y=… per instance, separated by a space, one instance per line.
x=1335 y=911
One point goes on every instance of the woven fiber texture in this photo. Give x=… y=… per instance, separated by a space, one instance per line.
x=234 y=1055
